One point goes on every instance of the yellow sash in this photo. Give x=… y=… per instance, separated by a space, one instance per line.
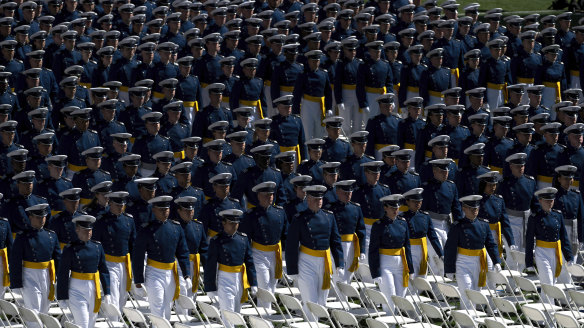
x=123 y=88
x=496 y=168
x=168 y=266
x=428 y=153
x=76 y=168
x=409 y=146
x=526 y=80
x=381 y=91
x=123 y=259
x=501 y=87
x=272 y=248
x=436 y=94
x=555 y=86
x=45 y=265
x=456 y=73
x=196 y=259
x=157 y=95
x=320 y=101
x=424 y=261
x=544 y=178
x=399 y=252
x=267 y=83
x=95 y=277
x=328 y=263
x=379 y=146
x=193 y=104
x=558 y=246
x=4 y=255
x=85 y=201
x=349 y=86
x=86 y=85
x=244 y=281
x=295 y=148
x=253 y=103
x=482 y=253
x=287 y=88
x=356 y=249
x=496 y=227
x=211 y=233
x=62 y=245
x=413 y=89
x=179 y=154
x=574 y=73
x=54 y=212
x=369 y=221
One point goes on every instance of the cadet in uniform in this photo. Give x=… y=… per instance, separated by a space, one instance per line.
x=351 y=166
x=466 y=177
x=569 y=202
x=92 y=175
x=287 y=129
x=34 y=260
x=374 y=78
x=546 y=156
x=266 y=225
x=465 y=252
x=116 y=231
x=498 y=146
x=390 y=256
x=546 y=240
x=164 y=241
x=346 y=84
x=351 y=227
x=62 y=223
x=230 y=268
x=335 y=148
x=312 y=239
x=79 y=139
x=83 y=275
x=402 y=179
x=435 y=79
x=382 y=128
x=218 y=202
x=13 y=208
x=313 y=165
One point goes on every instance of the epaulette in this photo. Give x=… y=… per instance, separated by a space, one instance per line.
x=235 y=76
x=396 y=115
x=197 y=221
x=18 y=60
x=529 y=177
x=276 y=169
x=354 y=203
x=414 y=173
x=164 y=137
x=242 y=233
x=92 y=131
x=327 y=211
x=383 y=185
x=198 y=188
x=66 y=179
x=555 y=210
x=498 y=196
x=370 y=157
x=401 y=218
x=424 y=65
x=278 y=207
x=19 y=145
x=484 y=220
x=95 y=241
x=344 y=140
x=575 y=190
x=450 y=181
x=12 y=93
x=246 y=155
x=3 y=219
x=424 y=212
x=47 y=69
x=121 y=123
x=41 y=197
x=233 y=199
x=324 y=70
x=398 y=61
x=296 y=115
x=49 y=230
x=129 y=215
x=562 y=63
x=93 y=61
x=175 y=222
x=226 y=163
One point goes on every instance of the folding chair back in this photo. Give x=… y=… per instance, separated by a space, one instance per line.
x=266 y=296
x=29 y=316
x=210 y=311
x=463 y=319
x=477 y=298
x=490 y=323
x=431 y=311
x=186 y=303
x=318 y=310
x=422 y=284
x=504 y=306
x=256 y=322
x=577 y=297
x=345 y=318
x=372 y=323
x=566 y=321
x=376 y=297
x=448 y=290
x=554 y=292
x=134 y=316
x=110 y=311
x=159 y=322
x=9 y=309
x=497 y=278
x=403 y=304
x=49 y=321
x=518 y=257
x=181 y=325
x=525 y=284
x=234 y=318
x=348 y=290
x=291 y=303
x=533 y=314
x=364 y=272
x=576 y=270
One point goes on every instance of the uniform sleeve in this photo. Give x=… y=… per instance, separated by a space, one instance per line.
x=15 y=263
x=57 y=253
x=403 y=89
x=580 y=217
x=203 y=246
x=249 y=266
x=235 y=94
x=328 y=93
x=338 y=82
x=63 y=273
x=373 y=251
x=424 y=82
x=275 y=87
x=103 y=271
x=505 y=224
x=139 y=255
x=389 y=80
x=371 y=128
x=302 y=141
x=408 y=249
x=132 y=238
x=182 y=253
x=361 y=94
x=335 y=243
x=297 y=93
x=246 y=226
x=455 y=209
x=292 y=245
x=530 y=240
x=483 y=76
x=566 y=244
x=451 y=249
x=490 y=244
x=281 y=192
x=433 y=237
x=360 y=230
x=210 y=278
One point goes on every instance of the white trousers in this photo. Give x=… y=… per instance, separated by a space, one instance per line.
x=545 y=260
x=310 y=114
x=183 y=289
x=82 y=301
x=265 y=265
x=35 y=291
x=348 y=253
x=367 y=238
x=495 y=98
x=541 y=184
x=310 y=278
x=391 y=268
x=373 y=106
x=548 y=99
x=435 y=100
x=229 y=290
x=467 y=275
x=441 y=228
x=118 y=280
x=270 y=110
x=205 y=97
x=124 y=96
x=190 y=114
x=351 y=113
x=160 y=287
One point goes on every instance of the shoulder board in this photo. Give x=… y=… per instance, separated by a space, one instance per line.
x=529 y=177
x=450 y=181
x=93 y=61
x=249 y=156
x=18 y=60
x=327 y=211
x=561 y=145
x=3 y=219
x=424 y=65
x=121 y=123
x=164 y=137
x=561 y=63
x=414 y=173
x=398 y=61
x=395 y=114
x=424 y=212
x=356 y=204
x=276 y=169
x=49 y=230
x=498 y=196
x=241 y=233
x=344 y=140
x=129 y=215
x=197 y=221
x=226 y=163
x=233 y=199
x=324 y=70
x=175 y=222
x=66 y=179
x=92 y=131
x=41 y=197
x=47 y=69
x=401 y=218
x=95 y=241
x=484 y=220
x=383 y=185
x=278 y=207
x=370 y=157
x=296 y=115
x=558 y=211
x=575 y=190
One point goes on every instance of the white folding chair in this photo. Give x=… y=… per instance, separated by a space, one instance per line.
x=434 y=313
x=14 y=320
x=159 y=322
x=210 y=312
x=379 y=300
x=423 y=285
x=556 y=293
x=577 y=297
x=528 y=287
x=519 y=258
x=506 y=292
x=110 y=313
x=535 y=316
x=345 y=319
x=292 y=305
x=406 y=307
x=320 y=312
x=479 y=299
x=463 y=319
x=256 y=322
x=507 y=307
x=576 y=271
x=279 y=317
x=372 y=323
x=234 y=318
x=359 y=311
x=451 y=291
x=364 y=274
x=566 y=321
x=29 y=316
x=134 y=317
x=187 y=303
x=49 y=321
x=69 y=324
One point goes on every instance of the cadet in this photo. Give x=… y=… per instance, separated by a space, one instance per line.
x=265 y=226
x=6 y=249
x=346 y=85
x=152 y=142
x=432 y=129
x=287 y=128
x=552 y=75
x=435 y=79
x=498 y=146
x=312 y=166
x=183 y=186
x=92 y=175
x=465 y=252
x=61 y=223
x=173 y=128
x=466 y=177
x=249 y=90
x=441 y=197
x=53 y=182
x=166 y=180
x=214 y=165
x=13 y=207
x=390 y=256
x=546 y=156
x=131 y=116
x=116 y=231
x=33 y=261
x=99 y=203
x=330 y=174
x=351 y=227
x=382 y=128
x=351 y=166
x=402 y=179
x=219 y=201
x=79 y=139
x=422 y=234
x=163 y=240
x=313 y=91
x=212 y=113
x=138 y=205
x=389 y=160
x=547 y=240
x=335 y=148
x=312 y=238
x=81 y=269
x=286 y=72
x=238 y=158
x=285 y=163
x=494 y=73
x=196 y=239
x=409 y=127
x=441 y=147
x=569 y=202
x=409 y=86
x=127 y=171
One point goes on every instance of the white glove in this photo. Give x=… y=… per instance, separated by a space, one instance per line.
x=365 y=110
x=294 y=277
x=63 y=304
x=377 y=280
x=341 y=107
x=189 y=283
x=212 y=296
x=362 y=257
x=340 y=272
x=108 y=299
x=581 y=246
x=498 y=267
x=513 y=247
x=531 y=269
x=140 y=292
x=329 y=113
x=450 y=276
x=253 y=290
x=570 y=263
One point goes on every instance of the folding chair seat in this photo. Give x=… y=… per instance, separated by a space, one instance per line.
x=391 y=318
x=451 y=291
x=293 y=305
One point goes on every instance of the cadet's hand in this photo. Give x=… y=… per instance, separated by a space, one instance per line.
x=63 y=304
x=530 y=269
x=450 y=276
x=253 y=291
x=570 y=263
x=513 y=247
x=340 y=272
x=362 y=257
x=329 y=113
x=139 y=291
x=212 y=296
x=377 y=280
x=108 y=299
x=189 y=283
x=365 y=110
x=341 y=107
x=498 y=267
